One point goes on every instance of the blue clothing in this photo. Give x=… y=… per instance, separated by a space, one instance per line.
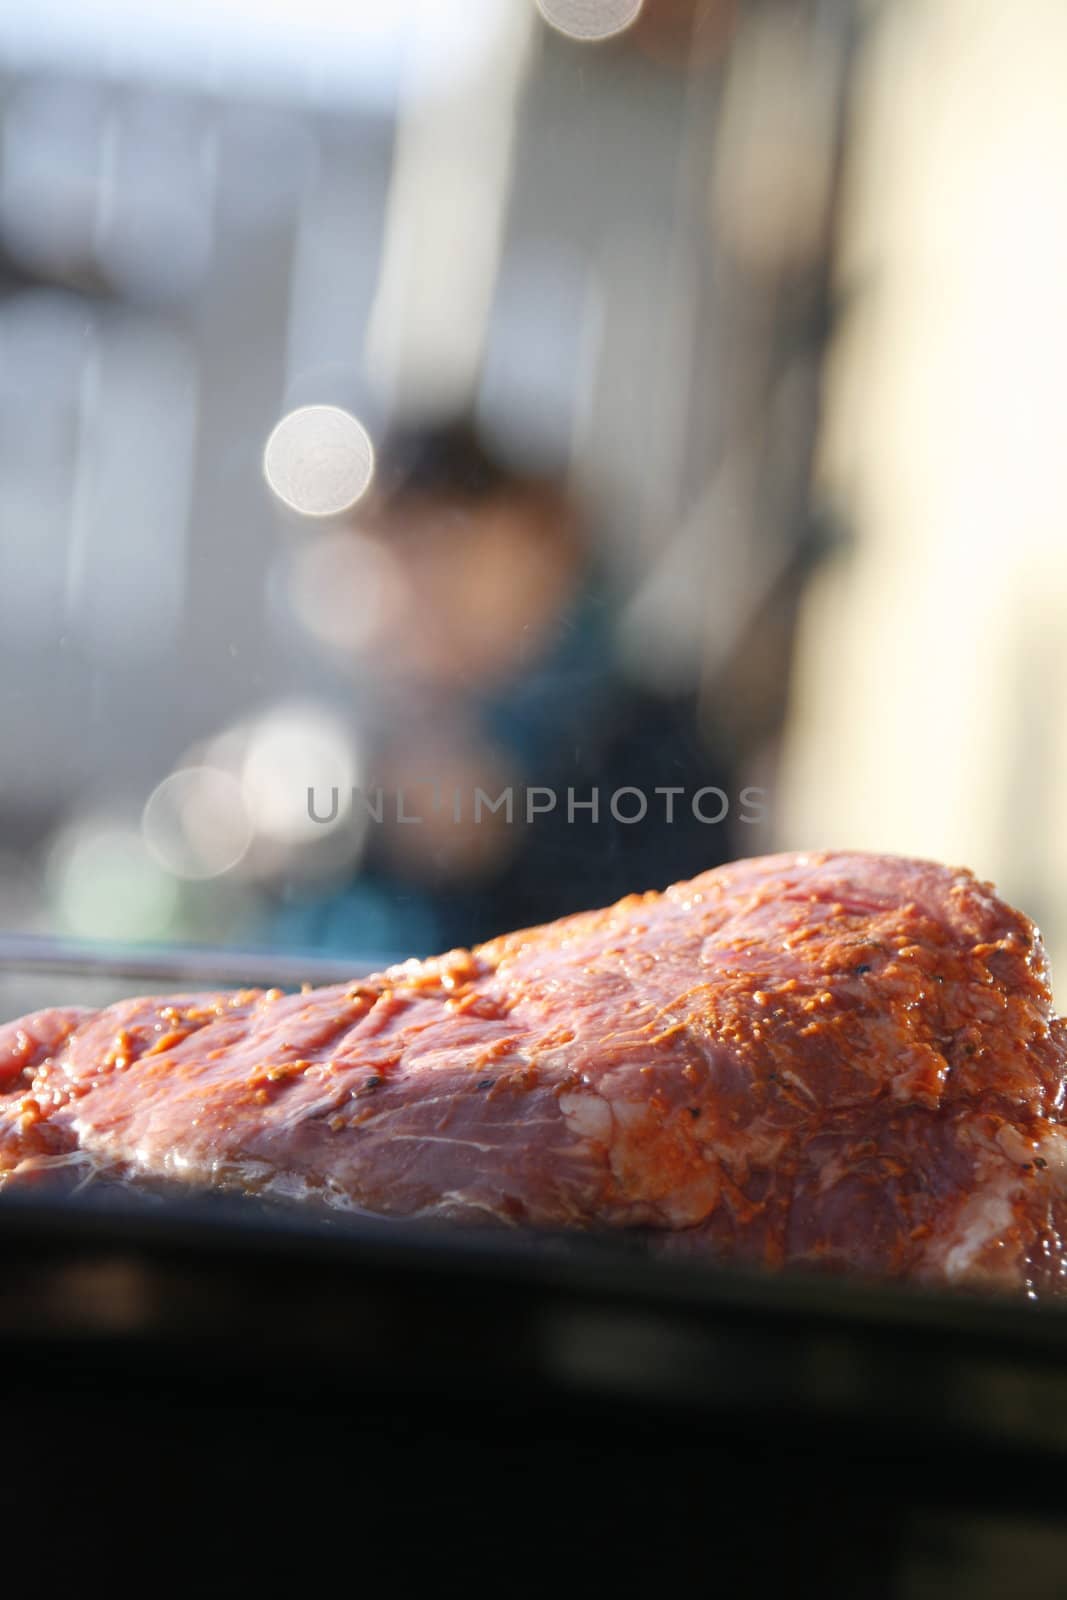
x=571 y=722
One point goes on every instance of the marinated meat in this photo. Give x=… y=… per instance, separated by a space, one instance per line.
x=834 y=1060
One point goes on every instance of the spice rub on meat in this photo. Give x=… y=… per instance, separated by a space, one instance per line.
x=834 y=1060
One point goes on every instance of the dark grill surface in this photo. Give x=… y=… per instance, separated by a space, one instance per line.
x=263 y=1395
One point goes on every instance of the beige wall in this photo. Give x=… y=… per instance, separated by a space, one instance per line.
x=930 y=703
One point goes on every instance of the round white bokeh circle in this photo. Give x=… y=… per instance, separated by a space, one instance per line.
x=319 y=461
x=590 y=19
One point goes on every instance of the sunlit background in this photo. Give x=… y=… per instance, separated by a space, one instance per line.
x=412 y=400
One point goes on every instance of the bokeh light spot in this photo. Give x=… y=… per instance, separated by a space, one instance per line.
x=195 y=823
x=105 y=885
x=319 y=461
x=590 y=20
x=293 y=749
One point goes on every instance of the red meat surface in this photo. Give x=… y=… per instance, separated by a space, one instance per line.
x=834 y=1060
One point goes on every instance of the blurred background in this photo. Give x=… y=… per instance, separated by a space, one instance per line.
x=460 y=463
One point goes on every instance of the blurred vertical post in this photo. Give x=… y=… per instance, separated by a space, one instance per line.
x=444 y=220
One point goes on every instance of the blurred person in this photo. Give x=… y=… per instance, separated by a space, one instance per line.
x=483 y=660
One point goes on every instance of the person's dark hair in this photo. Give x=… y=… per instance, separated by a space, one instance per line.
x=448 y=460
